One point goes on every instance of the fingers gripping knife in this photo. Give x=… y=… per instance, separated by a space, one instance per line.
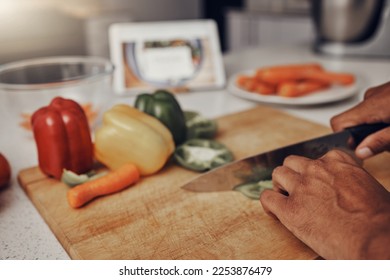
x=259 y=167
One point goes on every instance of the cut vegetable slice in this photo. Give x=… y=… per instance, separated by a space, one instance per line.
x=202 y=154
x=254 y=189
x=72 y=179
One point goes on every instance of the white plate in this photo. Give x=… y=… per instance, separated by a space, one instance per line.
x=332 y=94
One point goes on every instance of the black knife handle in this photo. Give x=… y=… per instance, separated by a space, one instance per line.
x=360 y=132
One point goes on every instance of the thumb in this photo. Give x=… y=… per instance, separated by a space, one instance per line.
x=374 y=144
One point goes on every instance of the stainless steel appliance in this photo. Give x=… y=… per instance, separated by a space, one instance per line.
x=352 y=27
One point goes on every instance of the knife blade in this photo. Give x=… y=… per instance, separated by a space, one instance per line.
x=259 y=167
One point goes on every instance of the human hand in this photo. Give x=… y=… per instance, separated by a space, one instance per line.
x=332 y=205
x=374 y=108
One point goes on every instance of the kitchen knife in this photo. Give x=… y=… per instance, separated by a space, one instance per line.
x=259 y=167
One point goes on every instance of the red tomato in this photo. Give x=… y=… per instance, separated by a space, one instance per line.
x=5 y=172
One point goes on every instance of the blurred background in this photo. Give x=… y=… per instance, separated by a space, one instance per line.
x=36 y=28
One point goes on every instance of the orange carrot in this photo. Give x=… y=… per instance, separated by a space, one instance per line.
x=246 y=82
x=277 y=76
x=242 y=79
x=264 y=88
x=288 y=72
x=296 y=89
x=292 y=80
x=330 y=77
x=114 y=181
x=251 y=83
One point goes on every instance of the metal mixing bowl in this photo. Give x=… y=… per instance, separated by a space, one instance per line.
x=346 y=21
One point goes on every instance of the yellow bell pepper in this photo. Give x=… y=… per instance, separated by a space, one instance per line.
x=131 y=136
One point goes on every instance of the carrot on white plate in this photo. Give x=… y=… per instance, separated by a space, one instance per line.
x=296 y=89
x=344 y=79
x=285 y=73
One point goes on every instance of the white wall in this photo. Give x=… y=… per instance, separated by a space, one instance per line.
x=56 y=27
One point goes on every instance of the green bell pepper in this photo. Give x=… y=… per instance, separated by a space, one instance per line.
x=199 y=126
x=202 y=154
x=254 y=189
x=163 y=105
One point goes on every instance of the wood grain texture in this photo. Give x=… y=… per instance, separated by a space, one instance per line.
x=156 y=219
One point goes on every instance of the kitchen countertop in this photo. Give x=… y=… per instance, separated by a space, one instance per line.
x=23 y=232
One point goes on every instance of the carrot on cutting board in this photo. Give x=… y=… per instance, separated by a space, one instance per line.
x=296 y=89
x=114 y=181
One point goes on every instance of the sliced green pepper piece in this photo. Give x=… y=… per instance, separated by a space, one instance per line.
x=72 y=179
x=199 y=126
x=254 y=189
x=164 y=106
x=202 y=154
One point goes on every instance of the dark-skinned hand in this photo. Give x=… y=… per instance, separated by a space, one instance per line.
x=374 y=108
x=332 y=205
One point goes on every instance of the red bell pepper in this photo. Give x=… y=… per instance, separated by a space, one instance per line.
x=63 y=138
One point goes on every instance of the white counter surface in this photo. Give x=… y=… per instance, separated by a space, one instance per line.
x=23 y=232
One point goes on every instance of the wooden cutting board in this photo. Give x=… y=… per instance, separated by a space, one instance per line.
x=156 y=219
